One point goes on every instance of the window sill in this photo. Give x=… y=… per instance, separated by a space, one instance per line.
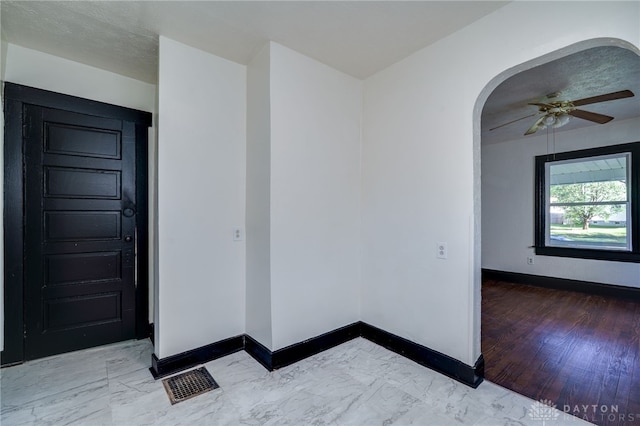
x=578 y=253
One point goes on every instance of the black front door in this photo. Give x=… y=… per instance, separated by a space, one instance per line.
x=80 y=231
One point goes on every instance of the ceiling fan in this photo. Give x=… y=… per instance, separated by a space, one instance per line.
x=557 y=113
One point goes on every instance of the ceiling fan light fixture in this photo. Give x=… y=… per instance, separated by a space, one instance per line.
x=554 y=120
x=561 y=120
x=549 y=120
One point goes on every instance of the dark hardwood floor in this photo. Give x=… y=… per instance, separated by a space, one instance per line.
x=576 y=350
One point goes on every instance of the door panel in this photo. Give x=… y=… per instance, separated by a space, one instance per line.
x=62 y=269
x=81 y=183
x=79 y=246
x=82 y=226
x=71 y=140
x=65 y=313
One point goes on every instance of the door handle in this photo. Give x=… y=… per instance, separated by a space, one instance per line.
x=128 y=212
x=128 y=238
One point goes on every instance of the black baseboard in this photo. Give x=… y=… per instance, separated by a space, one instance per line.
x=182 y=361
x=299 y=351
x=471 y=376
x=444 y=364
x=273 y=360
x=610 y=290
x=259 y=352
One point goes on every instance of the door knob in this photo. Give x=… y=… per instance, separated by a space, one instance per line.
x=128 y=238
x=128 y=212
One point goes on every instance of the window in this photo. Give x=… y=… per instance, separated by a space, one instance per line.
x=587 y=203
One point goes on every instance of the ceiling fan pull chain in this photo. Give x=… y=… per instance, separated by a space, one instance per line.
x=548 y=150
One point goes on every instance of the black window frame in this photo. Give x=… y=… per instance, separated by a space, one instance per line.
x=541 y=205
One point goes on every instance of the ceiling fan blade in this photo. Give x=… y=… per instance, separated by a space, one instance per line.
x=603 y=98
x=513 y=121
x=535 y=126
x=591 y=116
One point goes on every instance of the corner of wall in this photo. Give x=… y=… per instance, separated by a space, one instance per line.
x=258 y=315
x=315 y=193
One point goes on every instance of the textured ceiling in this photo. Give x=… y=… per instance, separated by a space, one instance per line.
x=356 y=37
x=584 y=74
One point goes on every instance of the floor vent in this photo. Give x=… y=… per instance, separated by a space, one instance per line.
x=189 y=384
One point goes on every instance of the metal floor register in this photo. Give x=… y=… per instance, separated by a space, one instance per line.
x=189 y=384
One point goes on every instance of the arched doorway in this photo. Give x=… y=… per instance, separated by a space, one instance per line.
x=505 y=178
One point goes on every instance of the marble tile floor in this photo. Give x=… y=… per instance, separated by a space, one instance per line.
x=356 y=383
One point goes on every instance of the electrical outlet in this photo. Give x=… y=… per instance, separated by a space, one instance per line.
x=237 y=234
x=530 y=260
x=441 y=250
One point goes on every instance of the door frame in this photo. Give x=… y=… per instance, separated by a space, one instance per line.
x=15 y=97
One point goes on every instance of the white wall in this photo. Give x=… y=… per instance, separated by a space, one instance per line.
x=508 y=206
x=4 y=46
x=201 y=198
x=421 y=153
x=258 y=303
x=315 y=197
x=43 y=71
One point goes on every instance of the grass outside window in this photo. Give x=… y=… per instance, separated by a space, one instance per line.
x=597 y=235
